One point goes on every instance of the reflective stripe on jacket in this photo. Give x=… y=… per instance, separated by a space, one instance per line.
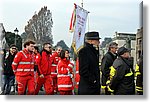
x=55 y=61
x=123 y=80
x=64 y=77
x=23 y=63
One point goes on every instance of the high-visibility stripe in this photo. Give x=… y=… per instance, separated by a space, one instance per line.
x=77 y=72
x=129 y=74
x=14 y=63
x=103 y=87
x=139 y=90
x=137 y=87
x=24 y=54
x=53 y=73
x=59 y=86
x=109 y=89
x=54 y=65
x=107 y=82
x=70 y=65
x=62 y=75
x=26 y=62
x=25 y=70
x=20 y=70
x=137 y=73
x=112 y=72
x=136 y=68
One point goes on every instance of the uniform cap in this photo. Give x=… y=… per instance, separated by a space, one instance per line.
x=123 y=50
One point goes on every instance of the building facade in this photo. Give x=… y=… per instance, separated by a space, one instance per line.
x=128 y=40
x=139 y=43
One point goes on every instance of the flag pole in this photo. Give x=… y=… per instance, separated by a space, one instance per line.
x=88 y=22
x=87 y=18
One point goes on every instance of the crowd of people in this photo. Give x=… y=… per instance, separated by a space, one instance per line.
x=33 y=70
x=30 y=70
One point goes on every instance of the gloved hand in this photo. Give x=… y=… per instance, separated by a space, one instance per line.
x=71 y=75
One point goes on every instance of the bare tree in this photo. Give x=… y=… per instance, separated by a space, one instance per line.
x=39 y=28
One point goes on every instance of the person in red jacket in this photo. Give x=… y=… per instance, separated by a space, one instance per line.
x=65 y=74
x=37 y=57
x=23 y=67
x=45 y=70
x=37 y=62
x=56 y=57
x=77 y=76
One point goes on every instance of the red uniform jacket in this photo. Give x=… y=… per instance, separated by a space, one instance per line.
x=54 y=64
x=37 y=63
x=23 y=63
x=37 y=58
x=65 y=74
x=45 y=63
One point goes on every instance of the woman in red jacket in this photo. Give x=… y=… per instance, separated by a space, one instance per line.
x=65 y=74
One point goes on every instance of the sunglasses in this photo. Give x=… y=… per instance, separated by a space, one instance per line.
x=14 y=48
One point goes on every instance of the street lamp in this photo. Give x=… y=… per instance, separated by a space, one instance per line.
x=16 y=33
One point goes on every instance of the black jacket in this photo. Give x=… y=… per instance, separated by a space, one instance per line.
x=107 y=62
x=89 y=71
x=139 y=80
x=121 y=84
x=7 y=64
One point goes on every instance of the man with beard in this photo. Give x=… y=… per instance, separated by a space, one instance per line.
x=23 y=67
x=44 y=76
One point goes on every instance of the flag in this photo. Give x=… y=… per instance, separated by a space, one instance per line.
x=73 y=19
x=79 y=28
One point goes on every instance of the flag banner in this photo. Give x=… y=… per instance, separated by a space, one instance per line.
x=73 y=19
x=79 y=29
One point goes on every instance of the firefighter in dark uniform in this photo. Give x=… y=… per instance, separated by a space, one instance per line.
x=89 y=72
x=139 y=75
x=122 y=82
x=107 y=62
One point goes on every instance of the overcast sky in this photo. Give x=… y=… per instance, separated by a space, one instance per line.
x=106 y=16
